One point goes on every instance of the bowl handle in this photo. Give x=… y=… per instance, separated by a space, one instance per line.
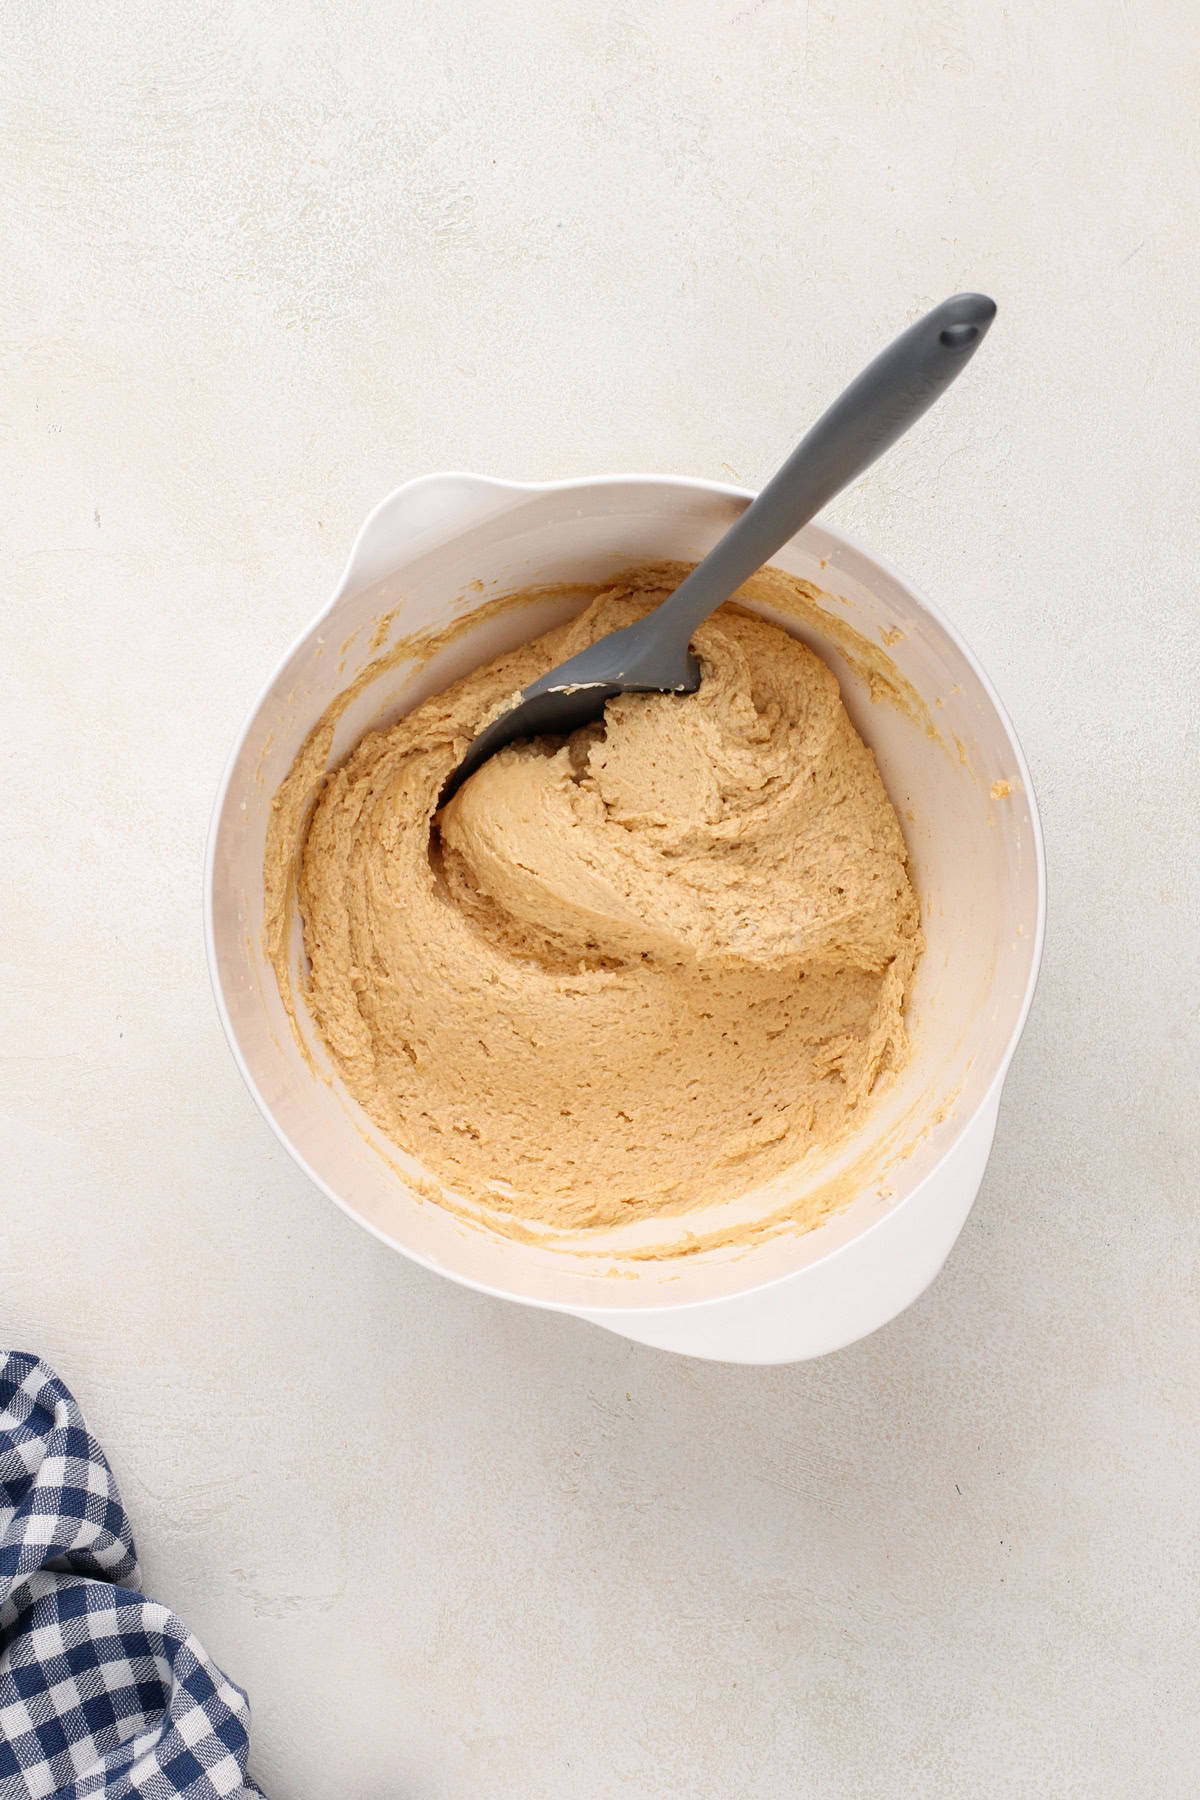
x=433 y=507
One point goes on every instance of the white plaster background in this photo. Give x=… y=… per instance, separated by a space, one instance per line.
x=264 y=261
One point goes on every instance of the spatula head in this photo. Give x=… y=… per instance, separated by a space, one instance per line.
x=638 y=659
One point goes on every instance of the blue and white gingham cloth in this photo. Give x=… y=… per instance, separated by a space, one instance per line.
x=102 y=1692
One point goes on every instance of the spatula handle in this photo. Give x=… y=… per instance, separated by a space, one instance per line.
x=877 y=408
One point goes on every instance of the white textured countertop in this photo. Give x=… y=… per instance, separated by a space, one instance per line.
x=265 y=262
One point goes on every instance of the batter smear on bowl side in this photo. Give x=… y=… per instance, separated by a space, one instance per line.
x=629 y=974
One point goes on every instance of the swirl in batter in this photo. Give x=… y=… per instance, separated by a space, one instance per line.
x=635 y=972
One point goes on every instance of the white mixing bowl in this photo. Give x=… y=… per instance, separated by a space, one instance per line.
x=435 y=552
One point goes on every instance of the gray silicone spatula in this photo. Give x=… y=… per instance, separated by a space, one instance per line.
x=654 y=655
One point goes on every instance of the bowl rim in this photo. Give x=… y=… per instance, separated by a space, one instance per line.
x=695 y=484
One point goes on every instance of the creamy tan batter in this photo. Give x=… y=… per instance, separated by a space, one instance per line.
x=645 y=969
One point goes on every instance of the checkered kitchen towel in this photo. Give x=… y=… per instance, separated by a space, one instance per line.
x=102 y=1692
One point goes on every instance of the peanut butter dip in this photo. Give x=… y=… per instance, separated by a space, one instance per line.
x=628 y=974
